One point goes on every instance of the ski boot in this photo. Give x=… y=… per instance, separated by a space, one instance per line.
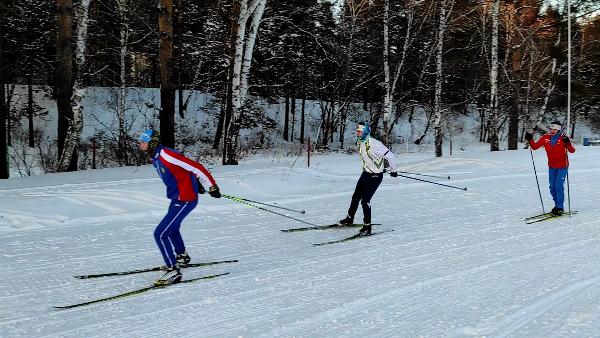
x=346 y=221
x=557 y=211
x=365 y=230
x=171 y=276
x=183 y=259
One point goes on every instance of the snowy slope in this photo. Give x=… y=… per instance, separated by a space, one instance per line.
x=459 y=264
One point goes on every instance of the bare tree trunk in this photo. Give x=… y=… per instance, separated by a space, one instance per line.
x=302 y=110
x=257 y=9
x=64 y=69
x=4 y=168
x=286 y=123
x=68 y=158
x=10 y=91
x=482 y=126
x=30 y=109
x=123 y=41
x=167 y=89
x=427 y=126
x=513 y=122
x=293 y=113
x=225 y=114
x=437 y=122
x=220 y=126
x=494 y=113
x=244 y=46
x=177 y=26
x=387 y=100
x=390 y=84
x=573 y=121
x=343 y=130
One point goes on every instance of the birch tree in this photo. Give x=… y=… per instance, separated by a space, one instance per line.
x=123 y=50
x=68 y=157
x=392 y=78
x=388 y=97
x=250 y=14
x=494 y=111
x=439 y=74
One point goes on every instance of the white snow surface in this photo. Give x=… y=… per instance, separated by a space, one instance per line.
x=458 y=263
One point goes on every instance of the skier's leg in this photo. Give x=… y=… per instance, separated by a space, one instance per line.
x=164 y=230
x=552 y=181
x=373 y=182
x=357 y=195
x=175 y=233
x=559 y=187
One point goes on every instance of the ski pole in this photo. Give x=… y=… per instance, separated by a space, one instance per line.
x=537 y=181
x=406 y=172
x=444 y=185
x=568 y=186
x=235 y=199
x=269 y=205
x=568 y=193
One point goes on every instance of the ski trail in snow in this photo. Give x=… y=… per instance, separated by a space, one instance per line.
x=396 y=294
x=72 y=186
x=458 y=263
x=529 y=313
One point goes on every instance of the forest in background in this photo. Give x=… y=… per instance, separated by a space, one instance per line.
x=506 y=59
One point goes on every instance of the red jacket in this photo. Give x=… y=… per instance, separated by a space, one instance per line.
x=179 y=174
x=557 y=157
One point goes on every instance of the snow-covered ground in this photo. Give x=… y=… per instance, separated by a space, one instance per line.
x=458 y=263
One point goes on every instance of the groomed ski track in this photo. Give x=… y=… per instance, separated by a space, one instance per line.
x=458 y=264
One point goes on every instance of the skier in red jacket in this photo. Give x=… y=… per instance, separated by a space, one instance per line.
x=182 y=177
x=556 y=144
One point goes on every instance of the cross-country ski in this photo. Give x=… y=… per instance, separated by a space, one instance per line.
x=351 y=238
x=328 y=226
x=136 y=292
x=156 y=268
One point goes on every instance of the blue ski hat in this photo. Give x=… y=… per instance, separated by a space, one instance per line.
x=366 y=130
x=146 y=136
x=152 y=137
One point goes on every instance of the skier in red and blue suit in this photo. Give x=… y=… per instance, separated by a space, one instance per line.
x=182 y=177
x=556 y=143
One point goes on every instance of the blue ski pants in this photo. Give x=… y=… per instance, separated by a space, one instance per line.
x=167 y=235
x=557 y=176
x=365 y=189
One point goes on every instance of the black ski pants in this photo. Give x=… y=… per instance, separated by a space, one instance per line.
x=365 y=189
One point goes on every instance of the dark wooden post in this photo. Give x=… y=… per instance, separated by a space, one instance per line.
x=93 y=153
x=308 y=151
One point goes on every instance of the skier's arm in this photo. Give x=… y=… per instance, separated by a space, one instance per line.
x=189 y=165
x=381 y=150
x=536 y=145
x=391 y=158
x=568 y=144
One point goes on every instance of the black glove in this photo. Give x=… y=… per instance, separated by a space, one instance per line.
x=394 y=174
x=201 y=189
x=214 y=191
x=566 y=140
x=528 y=136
